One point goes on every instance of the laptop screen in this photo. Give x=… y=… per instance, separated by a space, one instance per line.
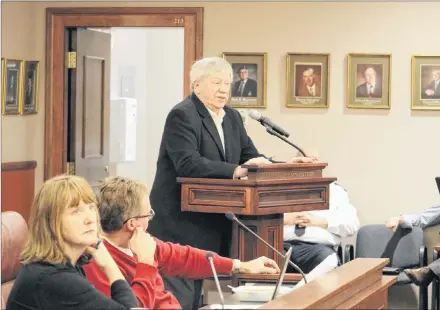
x=437 y=180
x=282 y=272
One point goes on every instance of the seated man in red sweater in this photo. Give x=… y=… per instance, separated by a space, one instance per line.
x=125 y=211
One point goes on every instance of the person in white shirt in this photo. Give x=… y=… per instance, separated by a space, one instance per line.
x=315 y=235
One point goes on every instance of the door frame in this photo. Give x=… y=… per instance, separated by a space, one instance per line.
x=57 y=19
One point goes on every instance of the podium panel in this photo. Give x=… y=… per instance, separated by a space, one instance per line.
x=259 y=202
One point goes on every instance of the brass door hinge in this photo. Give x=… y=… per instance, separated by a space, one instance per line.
x=71 y=60
x=70 y=168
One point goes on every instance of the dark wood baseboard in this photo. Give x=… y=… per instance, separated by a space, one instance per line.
x=18 y=187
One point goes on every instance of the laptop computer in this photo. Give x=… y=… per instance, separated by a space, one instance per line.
x=282 y=272
x=437 y=180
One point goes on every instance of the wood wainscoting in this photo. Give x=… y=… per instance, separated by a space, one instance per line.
x=18 y=187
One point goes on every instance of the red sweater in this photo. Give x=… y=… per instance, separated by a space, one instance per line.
x=146 y=283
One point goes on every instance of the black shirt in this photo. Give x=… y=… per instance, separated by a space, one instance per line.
x=64 y=286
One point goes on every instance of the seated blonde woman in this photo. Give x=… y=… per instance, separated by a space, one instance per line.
x=64 y=229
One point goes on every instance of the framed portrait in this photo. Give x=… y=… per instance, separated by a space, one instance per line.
x=248 y=89
x=11 y=85
x=425 y=82
x=29 y=102
x=369 y=81
x=307 y=80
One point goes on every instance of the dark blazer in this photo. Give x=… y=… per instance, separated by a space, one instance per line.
x=191 y=147
x=362 y=91
x=64 y=286
x=250 y=89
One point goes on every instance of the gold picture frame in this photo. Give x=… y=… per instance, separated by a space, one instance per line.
x=425 y=82
x=29 y=102
x=369 y=81
x=12 y=74
x=307 y=80
x=249 y=83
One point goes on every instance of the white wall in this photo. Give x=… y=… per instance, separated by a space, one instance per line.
x=393 y=173
x=147 y=64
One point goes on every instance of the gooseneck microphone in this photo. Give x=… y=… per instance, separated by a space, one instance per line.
x=274 y=129
x=232 y=217
x=266 y=122
x=210 y=259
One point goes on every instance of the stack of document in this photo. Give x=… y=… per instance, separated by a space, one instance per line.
x=258 y=293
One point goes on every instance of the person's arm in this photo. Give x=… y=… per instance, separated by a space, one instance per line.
x=181 y=143
x=185 y=261
x=342 y=216
x=428 y=217
x=189 y=262
x=143 y=284
x=70 y=290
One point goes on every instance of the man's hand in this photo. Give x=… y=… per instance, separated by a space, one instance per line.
x=259 y=265
x=393 y=222
x=308 y=159
x=240 y=172
x=258 y=161
x=290 y=218
x=305 y=219
x=429 y=92
x=143 y=245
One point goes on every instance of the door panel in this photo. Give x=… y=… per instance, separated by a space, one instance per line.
x=91 y=106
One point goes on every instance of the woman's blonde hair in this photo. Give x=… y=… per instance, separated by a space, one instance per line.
x=46 y=242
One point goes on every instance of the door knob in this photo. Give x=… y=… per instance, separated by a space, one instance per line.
x=106 y=168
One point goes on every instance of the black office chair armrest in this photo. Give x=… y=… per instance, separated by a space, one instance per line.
x=348 y=253
x=340 y=254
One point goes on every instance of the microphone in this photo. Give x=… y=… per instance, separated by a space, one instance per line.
x=210 y=259
x=232 y=217
x=266 y=122
x=273 y=129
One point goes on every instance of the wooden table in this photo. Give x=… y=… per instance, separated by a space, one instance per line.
x=358 y=284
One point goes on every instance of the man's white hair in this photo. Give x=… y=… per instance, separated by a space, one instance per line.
x=208 y=66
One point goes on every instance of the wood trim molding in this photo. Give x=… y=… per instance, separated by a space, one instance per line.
x=18 y=187
x=57 y=19
x=19 y=165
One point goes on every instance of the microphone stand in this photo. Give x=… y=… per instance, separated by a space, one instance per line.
x=274 y=133
x=232 y=217
x=217 y=283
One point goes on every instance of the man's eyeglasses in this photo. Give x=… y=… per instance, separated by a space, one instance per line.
x=150 y=216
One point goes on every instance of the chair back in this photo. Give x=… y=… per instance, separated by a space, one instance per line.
x=14 y=238
x=401 y=247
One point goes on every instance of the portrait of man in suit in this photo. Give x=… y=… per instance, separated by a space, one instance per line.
x=369 y=81
x=308 y=80
x=431 y=89
x=246 y=83
x=29 y=88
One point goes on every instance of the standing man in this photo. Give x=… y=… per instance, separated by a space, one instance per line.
x=203 y=138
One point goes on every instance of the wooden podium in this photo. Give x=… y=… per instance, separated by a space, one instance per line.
x=259 y=202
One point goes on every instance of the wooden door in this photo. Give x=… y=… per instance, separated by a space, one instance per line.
x=89 y=104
